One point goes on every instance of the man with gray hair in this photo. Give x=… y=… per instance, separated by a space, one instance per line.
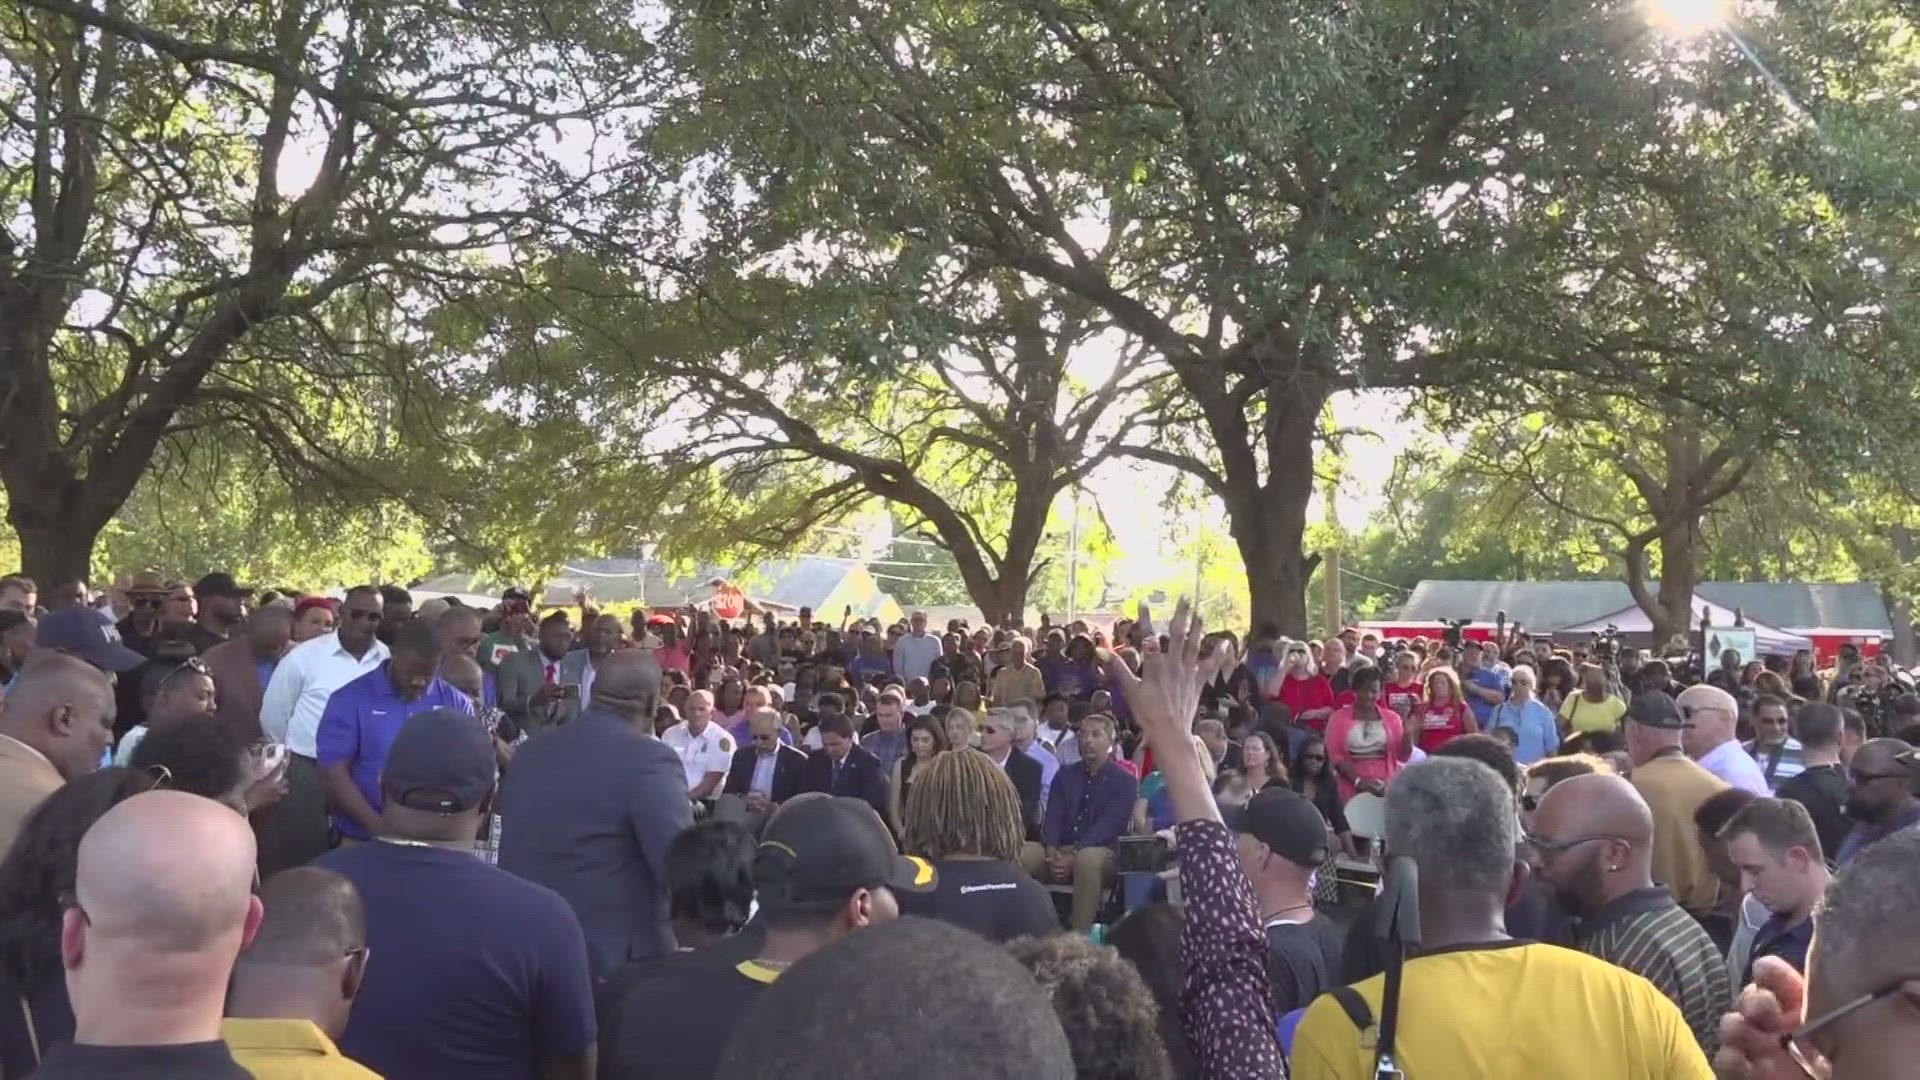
x=1456 y=820
x=1861 y=994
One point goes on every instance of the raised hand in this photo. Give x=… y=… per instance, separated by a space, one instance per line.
x=1163 y=698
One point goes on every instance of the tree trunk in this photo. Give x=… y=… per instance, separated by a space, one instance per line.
x=1679 y=573
x=56 y=535
x=1269 y=521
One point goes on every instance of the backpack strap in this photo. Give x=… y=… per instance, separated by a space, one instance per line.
x=1356 y=1009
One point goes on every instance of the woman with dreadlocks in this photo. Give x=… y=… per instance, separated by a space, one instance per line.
x=963 y=815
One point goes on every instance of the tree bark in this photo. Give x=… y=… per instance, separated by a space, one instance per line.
x=1269 y=520
x=57 y=532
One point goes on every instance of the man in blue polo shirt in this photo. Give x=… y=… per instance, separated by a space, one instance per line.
x=362 y=717
x=1486 y=680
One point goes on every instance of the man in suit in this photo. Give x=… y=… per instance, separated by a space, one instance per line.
x=242 y=665
x=843 y=768
x=765 y=774
x=541 y=688
x=54 y=724
x=588 y=809
x=997 y=732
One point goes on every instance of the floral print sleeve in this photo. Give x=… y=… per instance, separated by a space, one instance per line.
x=1224 y=1007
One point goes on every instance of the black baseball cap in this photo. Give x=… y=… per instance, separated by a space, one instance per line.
x=1656 y=710
x=221 y=583
x=818 y=851
x=90 y=634
x=1287 y=822
x=441 y=760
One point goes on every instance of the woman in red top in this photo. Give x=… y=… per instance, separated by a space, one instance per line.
x=1444 y=714
x=1404 y=694
x=1308 y=696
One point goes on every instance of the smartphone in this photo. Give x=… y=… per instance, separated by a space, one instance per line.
x=268 y=758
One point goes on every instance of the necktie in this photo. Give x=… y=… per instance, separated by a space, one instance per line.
x=553 y=673
x=839 y=769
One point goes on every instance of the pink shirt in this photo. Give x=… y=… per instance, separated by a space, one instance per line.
x=1340 y=728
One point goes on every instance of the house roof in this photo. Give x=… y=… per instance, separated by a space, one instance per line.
x=1551 y=605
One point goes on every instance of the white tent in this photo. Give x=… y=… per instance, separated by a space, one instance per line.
x=1767 y=640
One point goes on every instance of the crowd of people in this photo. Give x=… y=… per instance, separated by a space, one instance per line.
x=267 y=834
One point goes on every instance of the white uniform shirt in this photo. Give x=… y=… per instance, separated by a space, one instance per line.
x=305 y=678
x=710 y=751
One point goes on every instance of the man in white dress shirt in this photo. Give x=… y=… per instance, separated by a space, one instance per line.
x=705 y=748
x=1711 y=715
x=295 y=831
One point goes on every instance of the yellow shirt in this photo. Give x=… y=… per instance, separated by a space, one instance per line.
x=1599 y=716
x=1583 y=1018
x=289 y=1050
x=1012 y=684
x=1674 y=786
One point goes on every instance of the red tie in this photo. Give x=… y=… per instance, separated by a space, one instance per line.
x=553 y=673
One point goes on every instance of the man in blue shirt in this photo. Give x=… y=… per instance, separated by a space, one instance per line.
x=363 y=716
x=475 y=973
x=1087 y=813
x=1485 y=679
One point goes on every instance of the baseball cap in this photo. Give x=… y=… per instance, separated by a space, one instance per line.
x=1287 y=822
x=88 y=633
x=818 y=851
x=220 y=583
x=513 y=594
x=441 y=760
x=1656 y=710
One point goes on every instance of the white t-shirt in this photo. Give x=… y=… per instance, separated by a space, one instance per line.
x=710 y=751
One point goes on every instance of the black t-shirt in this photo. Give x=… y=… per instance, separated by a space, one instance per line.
x=675 y=1021
x=1823 y=790
x=1303 y=961
x=186 y=1061
x=994 y=899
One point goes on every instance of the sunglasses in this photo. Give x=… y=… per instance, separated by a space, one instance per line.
x=1799 y=1044
x=1860 y=777
x=1545 y=847
x=147 y=601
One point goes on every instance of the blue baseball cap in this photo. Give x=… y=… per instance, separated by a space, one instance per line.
x=89 y=634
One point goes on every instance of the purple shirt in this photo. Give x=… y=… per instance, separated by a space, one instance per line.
x=358 y=725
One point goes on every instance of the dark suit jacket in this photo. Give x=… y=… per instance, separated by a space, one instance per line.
x=236 y=684
x=787 y=767
x=523 y=673
x=1025 y=774
x=588 y=809
x=861 y=778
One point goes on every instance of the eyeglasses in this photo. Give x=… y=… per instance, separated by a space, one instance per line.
x=1799 y=1043
x=1860 y=777
x=146 y=601
x=1544 y=847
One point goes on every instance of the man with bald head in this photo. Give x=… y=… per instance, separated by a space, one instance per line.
x=1592 y=844
x=162 y=904
x=589 y=808
x=1712 y=715
x=293 y=988
x=242 y=665
x=54 y=725
x=1882 y=802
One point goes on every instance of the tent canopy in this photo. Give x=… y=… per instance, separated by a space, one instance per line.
x=1631 y=620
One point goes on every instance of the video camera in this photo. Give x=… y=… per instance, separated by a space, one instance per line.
x=1606 y=643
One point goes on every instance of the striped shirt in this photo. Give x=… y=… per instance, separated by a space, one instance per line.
x=1791 y=764
x=1649 y=934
